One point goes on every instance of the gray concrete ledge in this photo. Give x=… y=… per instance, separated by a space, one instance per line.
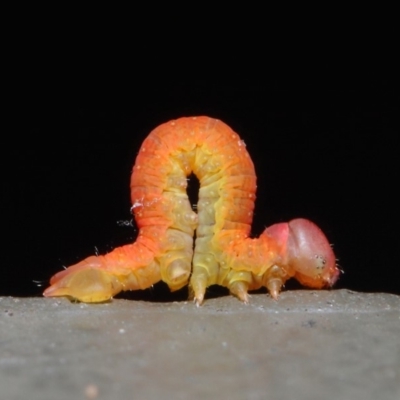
x=308 y=345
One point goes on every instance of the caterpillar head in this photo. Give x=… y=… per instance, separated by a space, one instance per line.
x=310 y=255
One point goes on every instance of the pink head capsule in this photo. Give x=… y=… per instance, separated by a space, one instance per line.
x=310 y=255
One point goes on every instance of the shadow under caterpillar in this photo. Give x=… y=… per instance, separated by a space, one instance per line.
x=224 y=253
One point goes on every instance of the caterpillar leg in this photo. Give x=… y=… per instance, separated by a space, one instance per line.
x=203 y=276
x=198 y=286
x=238 y=282
x=273 y=280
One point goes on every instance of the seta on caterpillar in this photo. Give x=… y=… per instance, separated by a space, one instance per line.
x=224 y=253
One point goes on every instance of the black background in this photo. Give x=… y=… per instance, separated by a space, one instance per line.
x=323 y=137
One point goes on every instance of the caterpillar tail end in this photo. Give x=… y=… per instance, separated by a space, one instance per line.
x=85 y=281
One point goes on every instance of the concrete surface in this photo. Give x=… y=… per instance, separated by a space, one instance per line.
x=309 y=345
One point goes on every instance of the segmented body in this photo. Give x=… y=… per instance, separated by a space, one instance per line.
x=224 y=253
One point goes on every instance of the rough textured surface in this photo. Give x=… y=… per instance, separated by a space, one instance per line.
x=308 y=345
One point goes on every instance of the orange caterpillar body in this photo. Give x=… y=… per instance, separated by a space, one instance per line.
x=224 y=253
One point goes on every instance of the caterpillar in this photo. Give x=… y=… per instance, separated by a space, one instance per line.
x=224 y=253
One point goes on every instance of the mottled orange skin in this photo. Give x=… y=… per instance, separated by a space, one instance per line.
x=224 y=253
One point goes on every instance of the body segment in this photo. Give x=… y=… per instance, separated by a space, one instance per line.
x=223 y=252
